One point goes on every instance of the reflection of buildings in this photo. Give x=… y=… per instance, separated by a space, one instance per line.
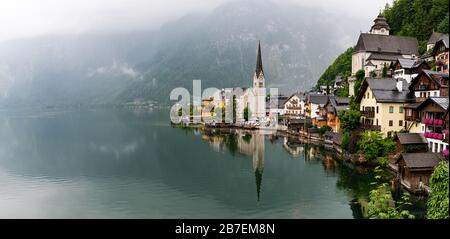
x=253 y=145
x=293 y=148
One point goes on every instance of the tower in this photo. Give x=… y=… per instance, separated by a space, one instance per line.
x=259 y=90
x=380 y=26
x=258 y=78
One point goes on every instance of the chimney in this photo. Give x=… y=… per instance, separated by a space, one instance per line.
x=399 y=85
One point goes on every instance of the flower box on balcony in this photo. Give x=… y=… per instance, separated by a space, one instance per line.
x=439 y=136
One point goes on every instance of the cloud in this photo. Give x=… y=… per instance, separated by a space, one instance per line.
x=28 y=18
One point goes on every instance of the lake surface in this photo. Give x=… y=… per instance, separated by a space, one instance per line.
x=134 y=164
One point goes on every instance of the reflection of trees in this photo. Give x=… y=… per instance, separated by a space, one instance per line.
x=231 y=142
x=258 y=176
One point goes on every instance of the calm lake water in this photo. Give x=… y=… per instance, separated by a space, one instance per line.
x=134 y=164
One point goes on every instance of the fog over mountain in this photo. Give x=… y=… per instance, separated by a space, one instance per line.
x=219 y=48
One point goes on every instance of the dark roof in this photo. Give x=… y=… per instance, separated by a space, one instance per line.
x=337 y=139
x=342 y=100
x=433 y=75
x=259 y=65
x=411 y=138
x=440 y=101
x=385 y=57
x=329 y=134
x=336 y=104
x=435 y=36
x=385 y=90
x=411 y=106
x=410 y=63
x=318 y=99
x=421 y=160
x=387 y=44
x=443 y=40
x=299 y=121
x=380 y=22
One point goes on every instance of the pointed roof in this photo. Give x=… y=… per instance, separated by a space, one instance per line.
x=259 y=65
x=435 y=36
x=380 y=22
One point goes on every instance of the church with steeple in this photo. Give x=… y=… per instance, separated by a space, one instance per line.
x=377 y=48
x=254 y=98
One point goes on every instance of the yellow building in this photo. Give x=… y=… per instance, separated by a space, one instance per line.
x=382 y=103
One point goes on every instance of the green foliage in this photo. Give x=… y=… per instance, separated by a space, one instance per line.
x=385 y=71
x=342 y=92
x=418 y=18
x=360 y=75
x=373 y=146
x=342 y=67
x=345 y=140
x=373 y=74
x=438 y=199
x=246 y=113
x=247 y=138
x=349 y=119
x=324 y=129
x=382 y=205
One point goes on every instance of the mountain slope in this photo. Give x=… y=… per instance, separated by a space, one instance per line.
x=218 y=48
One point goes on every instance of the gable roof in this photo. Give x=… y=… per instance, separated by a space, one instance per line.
x=411 y=138
x=440 y=101
x=387 y=44
x=421 y=160
x=318 y=99
x=409 y=63
x=385 y=90
x=433 y=75
x=435 y=36
x=442 y=41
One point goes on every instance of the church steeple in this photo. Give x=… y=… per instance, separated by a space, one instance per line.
x=259 y=65
x=380 y=25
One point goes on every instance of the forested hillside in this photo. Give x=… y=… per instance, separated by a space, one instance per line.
x=415 y=18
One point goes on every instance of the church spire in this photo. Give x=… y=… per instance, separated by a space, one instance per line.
x=259 y=66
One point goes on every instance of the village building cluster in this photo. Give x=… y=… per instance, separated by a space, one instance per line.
x=404 y=95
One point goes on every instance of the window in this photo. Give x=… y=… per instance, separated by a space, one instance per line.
x=377 y=109
x=435 y=93
x=377 y=122
x=391 y=109
x=400 y=123
x=391 y=123
x=400 y=110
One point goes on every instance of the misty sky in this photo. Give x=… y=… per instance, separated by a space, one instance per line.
x=28 y=18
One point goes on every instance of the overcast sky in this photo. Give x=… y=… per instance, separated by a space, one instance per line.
x=28 y=18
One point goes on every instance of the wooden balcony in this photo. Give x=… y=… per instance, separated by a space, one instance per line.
x=368 y=113
x=414 y=118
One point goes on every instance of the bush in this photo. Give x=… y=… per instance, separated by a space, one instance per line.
x=372 y=145
x=349 y=119
x=438 y=199
x=345 y=141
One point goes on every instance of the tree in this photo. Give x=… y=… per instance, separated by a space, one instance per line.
x=246 y=113
x=383 y=206
x=360 y=74
x=372 y=145
x=438 y=199
x=381 y=202
x=341 y=67
x=345 y=140
x=385 y=71
x=349 y=119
